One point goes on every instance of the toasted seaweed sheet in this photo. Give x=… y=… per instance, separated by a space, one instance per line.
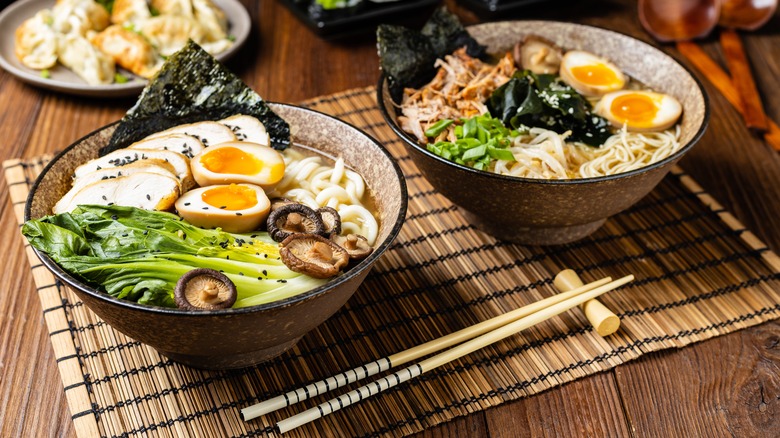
x=193 y=86
x=407 y=56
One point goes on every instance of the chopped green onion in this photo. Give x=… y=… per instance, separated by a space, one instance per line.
x=438 y=127
x=474 y=153
x=45 y=73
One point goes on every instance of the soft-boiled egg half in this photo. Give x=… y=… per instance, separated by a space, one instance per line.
x=236 y=208
x=238 y=162
x=589 y=74
x=639 y=110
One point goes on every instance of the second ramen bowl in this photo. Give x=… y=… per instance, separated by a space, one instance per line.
x=547 y=212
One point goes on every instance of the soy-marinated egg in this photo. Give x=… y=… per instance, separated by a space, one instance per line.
x=589 y=74
x=238 y=162
x=236 y=208
x=639 y=110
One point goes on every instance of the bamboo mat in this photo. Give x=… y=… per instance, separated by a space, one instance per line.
x=699 y=274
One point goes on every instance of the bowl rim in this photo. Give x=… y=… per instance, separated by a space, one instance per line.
x=310 y=294
x=411 y=141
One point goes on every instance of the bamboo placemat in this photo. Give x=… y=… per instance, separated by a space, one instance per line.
x=699 y=274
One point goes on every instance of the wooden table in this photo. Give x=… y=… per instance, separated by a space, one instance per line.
x=725 y=386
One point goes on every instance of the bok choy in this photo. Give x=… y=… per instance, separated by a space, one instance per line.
x=139 y=255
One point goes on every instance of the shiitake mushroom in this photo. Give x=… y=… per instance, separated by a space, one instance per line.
x=294 y=219
x=313 y=255
x=331 y=219
x=204 y=289
x=356 y=245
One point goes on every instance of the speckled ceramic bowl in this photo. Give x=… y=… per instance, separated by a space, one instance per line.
x=544 y=212
x=235 y=338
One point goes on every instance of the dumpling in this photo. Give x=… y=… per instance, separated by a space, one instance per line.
x=130 y=11
x=181 y=8
x=215 y=47
x=212 y=18
x=79 y=17
x=128 y=49
x=36 y=42
x=169 y=33
x=86 y=60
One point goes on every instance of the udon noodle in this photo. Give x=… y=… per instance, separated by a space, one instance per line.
x=315 y=183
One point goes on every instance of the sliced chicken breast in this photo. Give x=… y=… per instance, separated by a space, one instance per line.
x=148 y=165
x=247 y=128
x=181 y=143
x=149 y=191
x=209 y=133
x=123 y=157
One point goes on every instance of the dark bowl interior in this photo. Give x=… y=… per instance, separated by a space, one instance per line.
x=234 y=338
x=543 y=212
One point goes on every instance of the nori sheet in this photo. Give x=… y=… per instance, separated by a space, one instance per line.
x=192 y=86
x=407 y=56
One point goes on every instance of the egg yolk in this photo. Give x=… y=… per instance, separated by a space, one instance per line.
x=231 y=160
x=637 y=109
x=595 y=74
x=232 y=197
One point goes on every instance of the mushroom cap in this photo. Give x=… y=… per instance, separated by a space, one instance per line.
x=331 y=219
x=356 y=245
x=204 y=289
x=276 y=203
x=538 y=54
x=294 y=219
x=313 y=255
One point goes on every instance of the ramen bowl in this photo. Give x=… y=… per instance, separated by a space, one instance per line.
x=235 y=338
x=547 y=212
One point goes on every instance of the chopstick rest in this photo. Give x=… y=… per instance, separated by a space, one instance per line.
x=440 y=359
x=406 y=356
x=603 y=320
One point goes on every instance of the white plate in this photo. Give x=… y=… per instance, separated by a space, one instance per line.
x=66 y=81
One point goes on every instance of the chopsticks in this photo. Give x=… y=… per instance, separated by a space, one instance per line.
x=722 y=81
x=742 y=77
x=476 y=337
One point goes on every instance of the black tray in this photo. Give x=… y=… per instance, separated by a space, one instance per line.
x=340 y=24
x=496 y=8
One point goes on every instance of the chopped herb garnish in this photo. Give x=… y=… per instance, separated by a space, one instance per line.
x=119 y=78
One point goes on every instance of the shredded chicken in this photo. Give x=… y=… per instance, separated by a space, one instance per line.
x=459 y=90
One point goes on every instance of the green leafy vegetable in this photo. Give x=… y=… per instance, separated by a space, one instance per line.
x=479 y=141
x=139 y=255
x=333 y=4
x=546 y=101
x=192 y=86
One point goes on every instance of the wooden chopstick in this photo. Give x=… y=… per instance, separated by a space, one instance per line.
x=406 y=356
x=721 y=80
x=447 y=356
x=742 y=79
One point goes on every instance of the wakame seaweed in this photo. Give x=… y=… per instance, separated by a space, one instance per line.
x=544 y=100
x=192 y=86
x=407 y=56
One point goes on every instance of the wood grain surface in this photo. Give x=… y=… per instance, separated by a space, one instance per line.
x=727 y=386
